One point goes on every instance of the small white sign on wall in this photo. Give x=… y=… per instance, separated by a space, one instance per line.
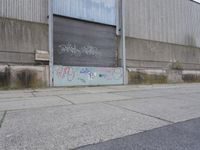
x=41 y=55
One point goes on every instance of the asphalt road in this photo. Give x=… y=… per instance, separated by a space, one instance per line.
x=180 y=136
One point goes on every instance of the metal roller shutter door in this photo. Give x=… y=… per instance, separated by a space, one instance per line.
x=81 y=43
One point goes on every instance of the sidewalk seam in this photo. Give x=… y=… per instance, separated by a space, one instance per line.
x=33 y=94
x=130 y=110
x=3 y=118
x=65 y=99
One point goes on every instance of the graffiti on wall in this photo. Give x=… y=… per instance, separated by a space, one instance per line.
x=74 y=50
x=66 y=73
x=72 y=76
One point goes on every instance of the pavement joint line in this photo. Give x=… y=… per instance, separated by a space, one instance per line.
x=147 y=88
x=33 y=94
x=166 y=87
x=39 y=96
x=66 y=99
x=15 y=97
x=45 y=107
x=62 y=105
x=167 y=95
x=75 y=94
x=141 y=97
x=23 y=99
x=87 y=103
x=83 y=92
x=3 y=118
x=62 y=94
x=176 y=98
x=132 y=99
x=130 y=110
x=35 y=108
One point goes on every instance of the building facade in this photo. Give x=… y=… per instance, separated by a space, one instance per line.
x=164 y=36
x=162 y=42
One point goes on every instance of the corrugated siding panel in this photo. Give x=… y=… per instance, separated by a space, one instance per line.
x=29 y=10
x=101 y=11
x=172 y=21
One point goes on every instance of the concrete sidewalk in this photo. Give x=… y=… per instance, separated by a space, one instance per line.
x=67 y=118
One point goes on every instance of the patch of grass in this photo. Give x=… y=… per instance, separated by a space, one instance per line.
x=177 y=66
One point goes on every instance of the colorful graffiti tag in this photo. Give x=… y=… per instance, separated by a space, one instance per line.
x=65 y=73
x=73 y=76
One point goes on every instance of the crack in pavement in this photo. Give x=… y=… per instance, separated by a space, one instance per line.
x=130 y=110
x=65 y=99
x=2 y=119
x=33 y=94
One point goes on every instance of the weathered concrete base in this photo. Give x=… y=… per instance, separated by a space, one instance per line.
x=175 y=76
x=142 y=76
x=15 y=77
x=87 y=76
x=4 y=81
x=152 y=76
x=191 y=76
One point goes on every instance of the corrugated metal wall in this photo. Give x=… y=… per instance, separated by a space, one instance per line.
x=172 y=21
x=101 y=11
x=29 y=10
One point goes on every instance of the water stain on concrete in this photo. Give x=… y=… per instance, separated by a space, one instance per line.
x=28 y=79
x=143 y=78
x=190 y=78
x=5 y=78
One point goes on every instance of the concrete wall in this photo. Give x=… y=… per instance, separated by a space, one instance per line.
x=151 y=54
x=152 y=76
x=20 y=39
x=151 y=62
x=170 y=21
